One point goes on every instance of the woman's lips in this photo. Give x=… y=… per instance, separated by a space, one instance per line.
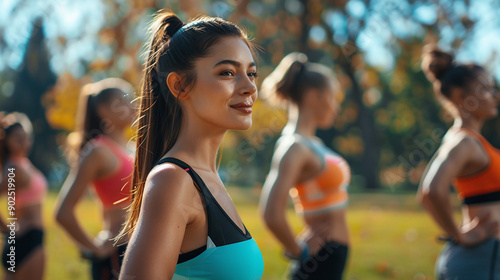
x=244 y=107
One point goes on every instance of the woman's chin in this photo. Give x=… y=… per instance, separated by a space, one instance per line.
x=242 y=126
x=326 y=125
x=494 y=114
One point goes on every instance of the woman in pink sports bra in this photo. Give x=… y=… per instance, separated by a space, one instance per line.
x=307 y=170
x=25 y=186
x=102 y=161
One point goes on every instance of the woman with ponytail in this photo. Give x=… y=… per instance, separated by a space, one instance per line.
x=468 y=161
x=315 y=177
x=199 y=82
x=25 y=187
x=100 y=158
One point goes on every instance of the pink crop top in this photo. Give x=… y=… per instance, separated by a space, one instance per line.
x=36 y=189
x=114 y=190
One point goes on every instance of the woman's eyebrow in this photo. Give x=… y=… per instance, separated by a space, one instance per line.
x=233 y=62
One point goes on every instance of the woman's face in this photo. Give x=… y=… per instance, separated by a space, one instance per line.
x=482 y=100
x=118 y=113
x=224 y=91
x=327 y=107
x=18 y=142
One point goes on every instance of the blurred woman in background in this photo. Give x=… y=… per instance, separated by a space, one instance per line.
x=102 y=159
x=466 y=160
x=315 y=177
x=199 y=82
x=25 y=187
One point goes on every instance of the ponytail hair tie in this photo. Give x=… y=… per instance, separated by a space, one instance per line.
x=187 y=25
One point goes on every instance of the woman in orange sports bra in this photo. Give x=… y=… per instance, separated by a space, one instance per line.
x=467 y=161
x=102 y=160
x=25 y=187
x=312 y=174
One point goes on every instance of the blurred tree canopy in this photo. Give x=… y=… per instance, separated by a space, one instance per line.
x=390 y=124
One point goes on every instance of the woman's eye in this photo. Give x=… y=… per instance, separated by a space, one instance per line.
x=227 y=73
x=253 y=74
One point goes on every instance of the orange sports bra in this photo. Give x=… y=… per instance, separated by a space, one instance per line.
x=114 y=190
x=327 y=191
x=484 y=186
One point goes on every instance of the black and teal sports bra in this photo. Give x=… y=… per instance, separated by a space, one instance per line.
x=229 y=254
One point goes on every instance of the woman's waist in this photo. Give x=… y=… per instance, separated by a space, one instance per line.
x=113 y=219
x=28 y=213
x=490 y=209
x=26 y=222
x=330 y=226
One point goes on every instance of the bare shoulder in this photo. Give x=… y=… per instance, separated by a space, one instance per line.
x=168 y=181
x=15 y=168
x=460 y=145
x=291 y=147
x=20 y=174
x=94 y=153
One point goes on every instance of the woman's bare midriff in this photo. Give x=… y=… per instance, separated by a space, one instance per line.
x=113 y=219
x=324 y=227
x=28 y=217
x=469 y=212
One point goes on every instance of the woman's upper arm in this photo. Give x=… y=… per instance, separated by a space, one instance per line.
x=285 y=172
x=446 y=165
x=18 y=175
x=155 y=244
x=78 y=180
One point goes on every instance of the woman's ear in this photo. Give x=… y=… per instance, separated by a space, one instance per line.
x=102 y=110
x=311 y=97
x=457 y=96
x=174 y=83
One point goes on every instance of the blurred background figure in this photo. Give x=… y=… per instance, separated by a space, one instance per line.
x=469 y=162
x=29 y=191
x=100 y=157
x=304 y=167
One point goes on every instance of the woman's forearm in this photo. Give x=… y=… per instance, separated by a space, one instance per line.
x=439 y=206
x=70 y=224
x=281 y=229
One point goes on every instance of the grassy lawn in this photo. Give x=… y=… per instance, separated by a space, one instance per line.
x=392 y=238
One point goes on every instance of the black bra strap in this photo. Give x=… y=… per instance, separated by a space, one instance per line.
x=175 y=161
x=196 y=179
x=221 y=228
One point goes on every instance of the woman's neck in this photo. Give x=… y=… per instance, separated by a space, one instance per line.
x=198 y=144
x=118 y=136
x=18 y=156
x=470 y=123
x=301 y=121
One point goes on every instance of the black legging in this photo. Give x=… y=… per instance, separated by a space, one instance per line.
x=328 y=263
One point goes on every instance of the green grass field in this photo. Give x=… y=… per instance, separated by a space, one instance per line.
x=392 y=238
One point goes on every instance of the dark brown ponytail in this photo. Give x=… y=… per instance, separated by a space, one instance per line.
x=292 y=78
x=441 y=69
